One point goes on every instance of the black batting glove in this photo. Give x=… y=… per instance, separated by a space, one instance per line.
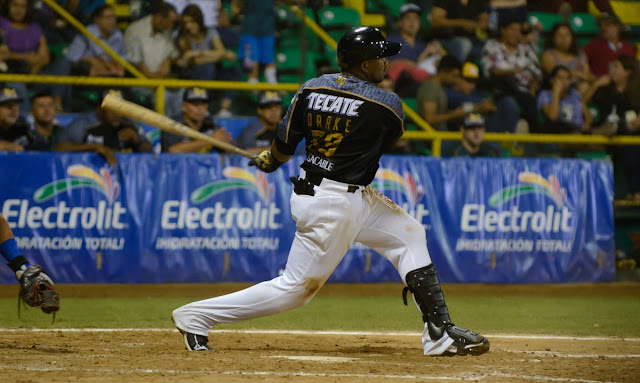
x=266 y=162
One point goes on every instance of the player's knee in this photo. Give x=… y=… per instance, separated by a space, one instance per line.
x=306 y=290
x=177 y=315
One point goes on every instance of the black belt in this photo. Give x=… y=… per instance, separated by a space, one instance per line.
x=304 y=186
x=316 y=179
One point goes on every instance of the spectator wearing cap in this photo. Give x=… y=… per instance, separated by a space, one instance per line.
x=116 y=133
x=561 y=105
x=513 y=70
x=88 y=58
x=195 y=114
x=461 y=26
x=403 y=68
x=104 y=133
x=500 y=117
x=602 y=51
x=472 y=127
x=258 y=135
x=43 y=126
x=14 y=130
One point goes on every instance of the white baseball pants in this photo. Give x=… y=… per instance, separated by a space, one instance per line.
x=327 y=224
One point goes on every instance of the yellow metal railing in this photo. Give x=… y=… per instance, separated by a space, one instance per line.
x=438 y=137
x=435 y=136
x=159 y=84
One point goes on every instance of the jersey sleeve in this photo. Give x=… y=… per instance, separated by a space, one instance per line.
x=290 y=131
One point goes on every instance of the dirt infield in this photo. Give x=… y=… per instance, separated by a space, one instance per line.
x=97 y=355
x=132 y=356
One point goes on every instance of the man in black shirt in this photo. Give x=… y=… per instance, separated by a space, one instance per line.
x=109 y=135
x=14 y=130
x=258 y=134
x=42 y=122
x=116 y=134
x=346 y=122
x=472 y=128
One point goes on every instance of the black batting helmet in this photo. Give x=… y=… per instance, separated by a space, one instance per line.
x=364 y=43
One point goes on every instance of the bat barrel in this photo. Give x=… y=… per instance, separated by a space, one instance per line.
x=148 y=116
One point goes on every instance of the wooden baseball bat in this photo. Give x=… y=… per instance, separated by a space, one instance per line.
x=148 y=116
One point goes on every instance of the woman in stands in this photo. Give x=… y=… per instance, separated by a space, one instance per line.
x=28 y=50
x=201 y=47
x=561 y=48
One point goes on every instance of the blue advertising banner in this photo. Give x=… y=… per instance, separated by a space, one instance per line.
x=210 y=218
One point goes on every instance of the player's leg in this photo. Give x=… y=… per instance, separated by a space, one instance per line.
x=401 y=239
x=267 y=48
x=326 y=228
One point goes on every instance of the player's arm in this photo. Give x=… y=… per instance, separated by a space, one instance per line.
x=284 y=145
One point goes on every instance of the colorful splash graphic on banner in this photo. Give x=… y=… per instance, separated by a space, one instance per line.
x=236 y=178
x=531 y=183
x=82 y=177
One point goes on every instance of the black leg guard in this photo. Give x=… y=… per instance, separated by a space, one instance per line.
x=424 y=284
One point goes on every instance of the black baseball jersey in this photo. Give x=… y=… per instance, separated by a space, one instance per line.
x=346 y=122
x=169 y=139
x=17 y=134
x=107 y=135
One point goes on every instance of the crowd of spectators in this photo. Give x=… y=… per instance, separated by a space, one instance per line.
x=467 y=58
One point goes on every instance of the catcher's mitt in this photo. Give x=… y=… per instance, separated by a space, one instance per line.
x=36 y=290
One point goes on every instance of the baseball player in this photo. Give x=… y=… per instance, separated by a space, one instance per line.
x=36 y=288
x=347 y=123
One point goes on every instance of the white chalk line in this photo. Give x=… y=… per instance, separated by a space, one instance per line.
x=458 y=377
x=561 y=355
x=321 y=332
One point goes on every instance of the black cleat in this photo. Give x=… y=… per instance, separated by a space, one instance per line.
x=196 y=342
x=466 y=342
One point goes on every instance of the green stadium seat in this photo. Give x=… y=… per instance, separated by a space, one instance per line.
x=411 y=102
x=290 y=30
x=333 y=18
x=59 y=50
x=336 y=21
x=583 y=24
x=386 y=7
x=331 y=56
x=426 y=18
x=289 y=65
x=546 y=19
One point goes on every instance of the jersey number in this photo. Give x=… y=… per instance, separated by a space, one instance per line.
x=325 y=143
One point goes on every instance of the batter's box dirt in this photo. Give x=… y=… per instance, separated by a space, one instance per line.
x=136 y=356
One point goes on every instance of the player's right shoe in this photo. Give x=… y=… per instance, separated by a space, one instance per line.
x=196 y=342
x=193 y=342
x=466 y=342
